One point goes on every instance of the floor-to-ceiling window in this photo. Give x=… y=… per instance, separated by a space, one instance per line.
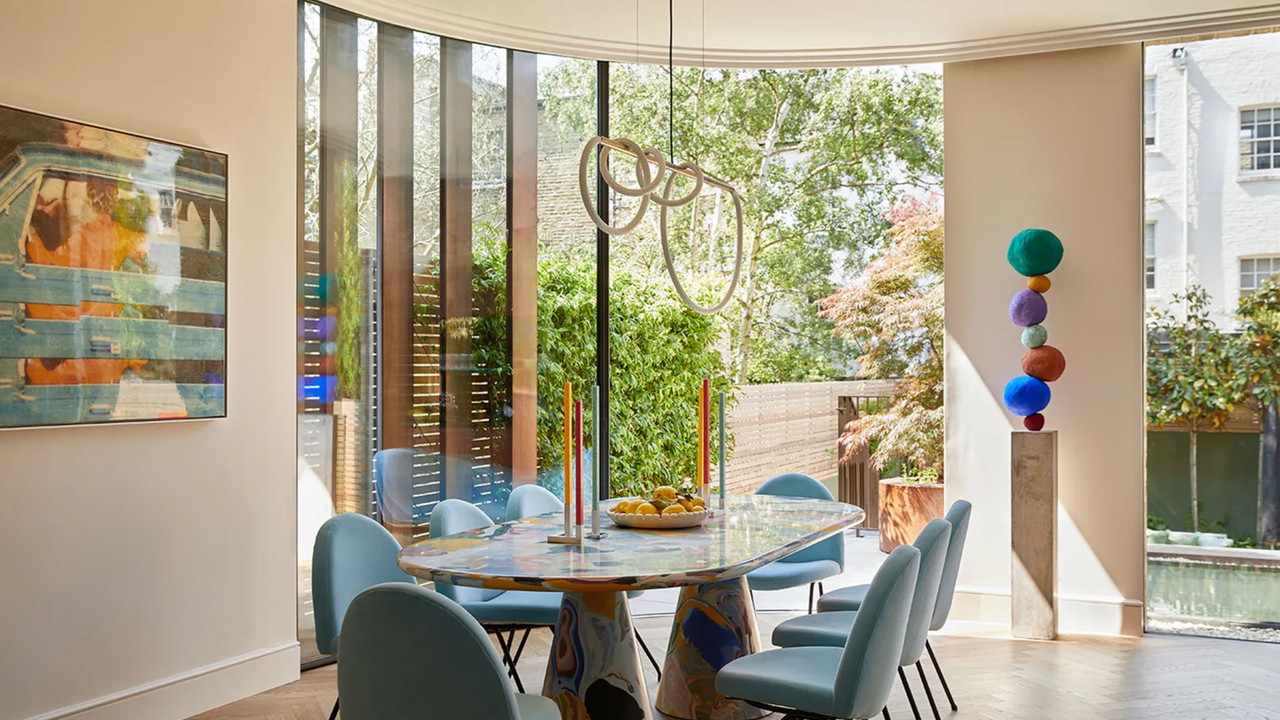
x=451 y=283
x=1212 y=230
x=425 y=164
x=835 y=167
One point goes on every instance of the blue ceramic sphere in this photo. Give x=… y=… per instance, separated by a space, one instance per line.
x=1035 y=336
x=1025 y=395
x=1028 y=308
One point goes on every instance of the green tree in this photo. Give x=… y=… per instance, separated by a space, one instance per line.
x=1259 y=315
x=350 y=282
x=894 y=312
x=1193 y=374
x=817 y=155
x=661 y=352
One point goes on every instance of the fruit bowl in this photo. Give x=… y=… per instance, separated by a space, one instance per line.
x=659 y=522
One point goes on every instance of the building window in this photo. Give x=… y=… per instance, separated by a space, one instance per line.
x=1149 y=254
x=1260 y=139
x=1149 y=112
x=1256 y=271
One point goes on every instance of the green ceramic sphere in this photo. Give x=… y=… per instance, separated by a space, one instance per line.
x=1035 y=252
x=1034 y=336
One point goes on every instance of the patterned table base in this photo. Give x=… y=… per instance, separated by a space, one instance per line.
x=714 y=625
x=594 y=671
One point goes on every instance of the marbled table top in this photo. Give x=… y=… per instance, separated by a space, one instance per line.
x=754 y=531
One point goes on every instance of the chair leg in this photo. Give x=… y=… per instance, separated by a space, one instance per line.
x=938 y=669
x=821 y=592
x=811 y=598
x=885 y=712
x=645 y=648
x=334 y=714
x=523 y=639
x=910 y=698
x=928 y=692
x=506 y=659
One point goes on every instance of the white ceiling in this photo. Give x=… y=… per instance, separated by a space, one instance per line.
x=781 y=33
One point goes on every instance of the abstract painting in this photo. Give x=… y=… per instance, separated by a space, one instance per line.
x=113 y=263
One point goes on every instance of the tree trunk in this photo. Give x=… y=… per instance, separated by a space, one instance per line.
x=744 y=330
x=1195 y=499
x=1269 y=470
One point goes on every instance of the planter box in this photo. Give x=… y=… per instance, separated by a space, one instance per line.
x=905 y=508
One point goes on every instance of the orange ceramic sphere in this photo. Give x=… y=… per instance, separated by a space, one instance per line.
x=1044 y=363
x=1039 y=283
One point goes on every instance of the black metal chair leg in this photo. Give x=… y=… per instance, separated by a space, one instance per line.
x=506 y=659
x=885 y=711
x=334 y=714
x=821 y=592
x=523 y=639
x=811 y=598
x=928 y=692
x=647 y=653
x=938 y=669
x=910 y=698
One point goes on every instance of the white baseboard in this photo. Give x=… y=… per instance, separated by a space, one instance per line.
x=193 y=692
x=1077 y=614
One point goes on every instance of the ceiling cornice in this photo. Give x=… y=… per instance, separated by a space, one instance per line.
x=419 y=16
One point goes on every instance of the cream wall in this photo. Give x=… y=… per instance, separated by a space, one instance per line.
x=1054 y=141
x=148 y=571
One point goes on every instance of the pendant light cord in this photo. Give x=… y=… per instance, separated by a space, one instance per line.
x=671 y=80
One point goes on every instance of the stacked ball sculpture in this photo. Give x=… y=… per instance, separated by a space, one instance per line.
x=1034 y=254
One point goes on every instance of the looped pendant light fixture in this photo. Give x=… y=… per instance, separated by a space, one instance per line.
x=647 y=182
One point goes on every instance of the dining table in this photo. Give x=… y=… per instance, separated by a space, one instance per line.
x=594 y=670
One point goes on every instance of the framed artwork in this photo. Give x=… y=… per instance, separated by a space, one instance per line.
x=113 y=265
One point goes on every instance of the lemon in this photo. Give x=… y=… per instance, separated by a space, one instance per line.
x=665 y=491
x=624 y=507
x=674 y=509
x=645 y=508
x=687 y=504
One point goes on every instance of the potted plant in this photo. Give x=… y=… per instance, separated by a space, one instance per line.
x=907 y=504
x=894 y=312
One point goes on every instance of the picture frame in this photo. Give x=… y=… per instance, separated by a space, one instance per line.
x=113 y=271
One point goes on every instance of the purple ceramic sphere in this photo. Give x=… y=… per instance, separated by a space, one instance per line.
x=1028 y=308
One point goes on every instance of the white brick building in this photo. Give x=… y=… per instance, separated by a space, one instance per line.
x=1213 y=168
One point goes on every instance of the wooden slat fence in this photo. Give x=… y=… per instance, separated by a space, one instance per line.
x=789 y=427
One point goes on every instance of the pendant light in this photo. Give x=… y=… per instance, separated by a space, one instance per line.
x=648 y=181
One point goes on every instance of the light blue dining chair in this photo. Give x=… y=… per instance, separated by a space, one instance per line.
x=831 y=627
x=851 y=681
x=533 y=500
x=850 y=598
x=811 y=565
x=393 y=484
x=411 y=653
x=499 y=611
x=352 y=553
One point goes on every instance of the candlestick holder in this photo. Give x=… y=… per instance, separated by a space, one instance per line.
x=597 y=535
x=574 y=539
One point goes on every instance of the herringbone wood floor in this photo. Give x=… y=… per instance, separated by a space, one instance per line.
x=1075 y=678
